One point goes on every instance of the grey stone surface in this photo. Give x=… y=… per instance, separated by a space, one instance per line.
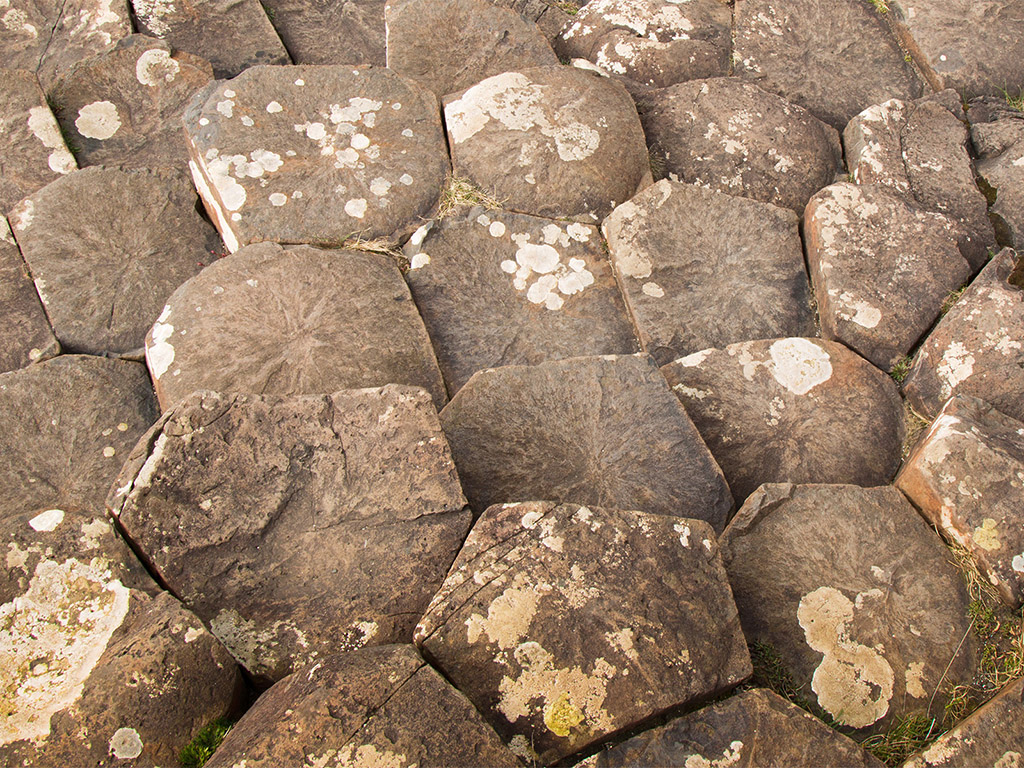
x=25 y=332
x=546 y=14
x=998 y=135
x=331 y=31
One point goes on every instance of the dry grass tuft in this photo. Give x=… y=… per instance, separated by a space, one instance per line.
x=458 y=193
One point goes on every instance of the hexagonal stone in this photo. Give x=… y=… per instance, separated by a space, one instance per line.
x=66 y=426
x=34 y=150
x=593 y=430
x=997 y=131
x=834 y=58
x=501 y=288
x=103 y=277
x=655 y=42
x=857 y=596
x=733 y=137
x=794 y=410
x=565 y=624
x=291 y=321
x=480 y=39
x=374 y=707
x=978 y=347
x=331 y=31
x=966 y=476
x=25 y=333
x=703 y=269
x=573 y=138
x=228 y=495
x=316 y=154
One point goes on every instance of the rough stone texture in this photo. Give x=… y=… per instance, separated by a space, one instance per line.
x=732 y=136
x=228 y=496
x=331 y=31
x=551 y=141
x=753 y=729
x=593 y=430
x=25 y=333
x=655 y=42
x=834 y=57
x=104 y=276
x=978 y=347
x=372 y=707
x=501 y=288
x=967 y=478
x=919 y=151
x=881 y=269
x=792 y=410
x=95 y=668
x=548 y=16
x=291 y=321
x=66 y=426
x=998 y=136
x=472 y=40
x=232 y=35
x=565 y=624
x=123 y=107
x=703 y=269
x=993 y=735
x=856 y=594
x=316 y=154
x=34 y=152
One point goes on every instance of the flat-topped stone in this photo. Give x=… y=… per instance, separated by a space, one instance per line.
x=997 y=132
x=331 y=31
x=25 y=333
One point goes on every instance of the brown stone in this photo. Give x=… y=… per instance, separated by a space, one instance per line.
x=25 y=333
x=998 y=137
x=546 y=14
x=331 y=31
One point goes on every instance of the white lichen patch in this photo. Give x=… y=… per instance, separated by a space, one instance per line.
x=855 y=310
x=956 y=366
x=159 y=350
x=623 y=642
x=125 y=744
x=361 y=756
x=44 y=127
x=155 y=67
x=915 y=680
x=653 y=290
x=356 y=208
x=154 y=15
x=509 y=615
x=47 y=521
x=540 y=269
x=799 y=364
x=731 y=755
x=98 y=120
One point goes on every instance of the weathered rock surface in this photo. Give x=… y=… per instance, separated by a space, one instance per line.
x=104 y=276
x=372 y=707
x=228 y=495
x=501 y=288
x=918 y=150
x=881 y=269
x=546 y=14
x=33 y=149
x=835 y=57
x=25 y=333
x=316 y=154
x=792 y=410
x=565 y=624
x=655 y=42
x=591 y=430
x=66 y=426
x=978 y=347
x=731 y=136
x=966 y=476
x=998 y=136
x=754 y=728
x=123 y=107
x=232 y=35
x=475 y=40
x=331 y=31
x=572 y=139
x=857 y=596
x=291 y=321
x=701 y=269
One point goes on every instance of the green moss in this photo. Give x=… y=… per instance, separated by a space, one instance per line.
x=901 y=368
x=905 y=736
x=951 y=299
x=201 y=748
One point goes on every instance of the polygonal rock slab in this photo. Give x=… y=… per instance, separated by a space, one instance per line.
x=478 y=39
x=551 y=141
x=66 y=426
x=565 y=624
x=103 y=277
x=374 y=707
x=835 y=57
x=998 y=137
x=856 y=594
x=316 y=154
x=655 y=42
x=228 y=495
x=881 y=268
x=795 y=410
x=292 y=321
x=231 y=36
x=94 y=667
x=331 y=31
x=34 y=150
x=703 y=269
x=508 y=289
x=548 y=16
x=967 y=478
x=753 y=729
x=978 y=347
x=593 y=430
x=25 y=333
x=731 y=136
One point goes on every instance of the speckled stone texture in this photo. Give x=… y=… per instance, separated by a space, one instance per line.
x=331 y=31
x=25 y=333
x=565 y=624
x=997 y=131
